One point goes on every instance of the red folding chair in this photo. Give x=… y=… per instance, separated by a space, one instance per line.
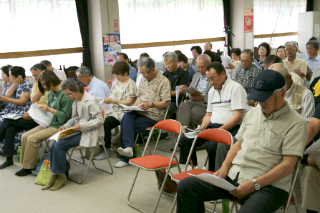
x=86 y=89
x=110 y=80
x=156 y=162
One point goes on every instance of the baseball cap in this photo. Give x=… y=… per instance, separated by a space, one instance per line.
x=265 y=84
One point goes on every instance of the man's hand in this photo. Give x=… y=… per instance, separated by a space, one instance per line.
x=244 y=189
x=108 y=100
x=222 y=172
x=298 y=72
x=61 y=128
x=76 y=127
x=196 y=97
x=26 y=116
x=145 y=106
x=44 y=108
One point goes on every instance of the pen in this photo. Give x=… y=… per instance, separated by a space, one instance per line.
x=45 y=113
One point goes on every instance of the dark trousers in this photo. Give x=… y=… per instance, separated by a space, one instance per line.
x=186 y=143
x=109 y=124
x=8 y=130
x=192 y=192
x=131 y=124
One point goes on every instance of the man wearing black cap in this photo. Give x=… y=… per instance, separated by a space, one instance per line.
x=260 y=163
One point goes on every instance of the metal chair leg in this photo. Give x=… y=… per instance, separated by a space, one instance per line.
x=105 y=150
x=131 y=189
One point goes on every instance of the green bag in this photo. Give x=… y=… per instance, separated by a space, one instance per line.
x=44 y=174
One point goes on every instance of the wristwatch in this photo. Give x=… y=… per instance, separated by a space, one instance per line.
x=256 y=185
x=152 y=104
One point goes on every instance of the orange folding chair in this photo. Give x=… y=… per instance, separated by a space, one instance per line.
x=86 y=89
x=156 y=162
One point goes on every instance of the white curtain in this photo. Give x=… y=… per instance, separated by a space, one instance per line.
x=167 y=20
x=277 y=16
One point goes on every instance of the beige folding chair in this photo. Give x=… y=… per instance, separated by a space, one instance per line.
x=99 y=142
x=156 y=162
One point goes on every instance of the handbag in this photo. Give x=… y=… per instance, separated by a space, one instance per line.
x=44 y=174
x=170 y=186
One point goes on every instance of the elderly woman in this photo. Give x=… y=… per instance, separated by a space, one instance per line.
x=281 y=52
x=235 y=55
x=196 y=51
x=5 y=85
x=87 y=118
x=20 y=90
x=264 y=51
x=60 y=106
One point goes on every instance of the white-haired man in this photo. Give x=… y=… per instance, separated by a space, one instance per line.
x=295 y=64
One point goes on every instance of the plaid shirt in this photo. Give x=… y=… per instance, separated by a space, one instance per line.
x=246 y=76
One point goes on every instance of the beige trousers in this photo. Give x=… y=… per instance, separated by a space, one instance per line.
x=310 y=185
x=30 y=145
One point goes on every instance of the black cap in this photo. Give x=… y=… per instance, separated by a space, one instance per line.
x=265 y=84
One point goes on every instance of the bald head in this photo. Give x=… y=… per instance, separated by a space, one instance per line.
x=281 y=68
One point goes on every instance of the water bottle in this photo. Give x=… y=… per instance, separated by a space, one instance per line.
x=137 y=151
x=38 y=159
x=18 y=153
x=225 y=206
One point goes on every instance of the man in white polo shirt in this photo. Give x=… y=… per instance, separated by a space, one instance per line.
x=227 y=103
x=59 y=73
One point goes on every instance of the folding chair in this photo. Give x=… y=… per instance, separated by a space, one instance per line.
x=156 y=162
x=86 y=89
x=217 y=135
x=100 y=141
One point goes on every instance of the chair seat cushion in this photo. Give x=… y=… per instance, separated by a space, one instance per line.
x=183 y=175
x=152 y=161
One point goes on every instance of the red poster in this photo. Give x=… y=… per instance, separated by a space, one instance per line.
x=248 y=20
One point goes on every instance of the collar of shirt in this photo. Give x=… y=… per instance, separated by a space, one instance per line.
x=277 y=114
x=92 y=82
x=317 y=58
x=296 y=59
x=203 y=77
x=224 y=85
x=289 y=91
x=249 y=67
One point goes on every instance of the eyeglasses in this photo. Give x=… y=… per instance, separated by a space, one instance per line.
x=35 y=76
x=211 y=78
x=144 y=74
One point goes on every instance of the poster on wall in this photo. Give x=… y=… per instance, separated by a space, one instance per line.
x=111 y=48
x=248 y=20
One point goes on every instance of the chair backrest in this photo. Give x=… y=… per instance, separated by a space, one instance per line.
x=217 y=135
x=86 y=89
x=102 y=110
x=169 y=125
x=110 y=80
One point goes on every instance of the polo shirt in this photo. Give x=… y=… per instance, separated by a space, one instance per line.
x=264 y=142
x=98 y=89
x=313 y=63
x=246 y=76
x=232 y=97
x=296 y=64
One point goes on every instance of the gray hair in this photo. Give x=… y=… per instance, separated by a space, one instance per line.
x=248 y=51
x=280 y=89
x=83 y=71
x=74 y=85
x=283 y=69
x=171 y=55
x=295 y=45
x=146 y=62
x=205 y=57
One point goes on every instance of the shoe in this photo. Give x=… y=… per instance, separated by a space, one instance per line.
x=24 y=172
x=51 y=182
x=121 y=164
x=188 y=169
x=102 y=156
x=6 y=164
x=61 y=179
x=128 y=152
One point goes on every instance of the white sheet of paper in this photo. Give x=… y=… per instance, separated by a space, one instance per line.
x=42 y=118
x=249 y=40
x=131 y=108
x=177 y=95
x=217 y=181
x=13 y=116
x=193 y=133
x=313 y=148
x=107 y=107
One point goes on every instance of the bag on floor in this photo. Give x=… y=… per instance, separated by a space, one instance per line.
x=170 y=186
x=44 y=174
x=39 y=165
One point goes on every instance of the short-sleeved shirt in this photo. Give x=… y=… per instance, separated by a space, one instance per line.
x=264 y=142
x=313 y=63
x=297 y=64
x=191 y=72
x=3 y=90
x=177 y=78
x=157 y=90
x=194 y=65
x=232 y=97
x=316 y=113
x=43 y=98
x=98 y=89
x=202 y=84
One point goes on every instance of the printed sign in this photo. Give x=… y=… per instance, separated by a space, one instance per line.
x=116 y=26
x=248 y=20
x=111 y=48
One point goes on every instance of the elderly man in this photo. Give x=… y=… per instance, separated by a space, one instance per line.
x=225 y=109
x=246 y=73
x=177 y=77
x=313 y=59
x=295 y=64
x=207 y=46
x=97 y=88
x=153 y=96
x=298 y=97
x=61 y=75
x=132 y=72
x=194 y=109
x=260 y=163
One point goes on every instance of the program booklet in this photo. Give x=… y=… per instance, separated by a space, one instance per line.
x=131 y=108
x=215 y=180
x=64 y=134
x=192 y=91
x=40 y=117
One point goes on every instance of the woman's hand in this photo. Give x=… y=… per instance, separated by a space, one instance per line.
x=108 y=100
x=26 y=116
x=77 y=127
x=231 y=66
x=44 y=108
x=18 y=80
x=61 y=128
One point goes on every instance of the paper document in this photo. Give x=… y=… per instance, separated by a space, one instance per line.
x=215 y=180
x=40 y=117
x=107 y=107
x=313 y=148
x=131 y=108
x=64 y=134
x=13 y=116
x=192 y=91
x=177 y=95
x=193 y=133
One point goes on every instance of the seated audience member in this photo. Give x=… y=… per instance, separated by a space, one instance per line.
x=235 y=62
x=183 y=64
x=97 y=88
x=133 y=72
x=207 y=46
x=264 y=50
x=194 y=109
x=5 y=85
x=87 y=118
x=295 y=64
x=177 y=52
x=154 y=97
x=310 y=185
x=211 y=54
x=313 y=59
x=196 y=51
x=177 y=77
x=247 y=72
x=60 y=106
x=298 y=97
x=281 y=52
x=227 y=101
x=260 y=163
x=61 y=74
x=19 y=104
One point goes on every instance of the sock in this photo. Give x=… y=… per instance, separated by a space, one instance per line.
x=61 y=179
x=51 y=182
x=7 y=163
x=24 y=172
